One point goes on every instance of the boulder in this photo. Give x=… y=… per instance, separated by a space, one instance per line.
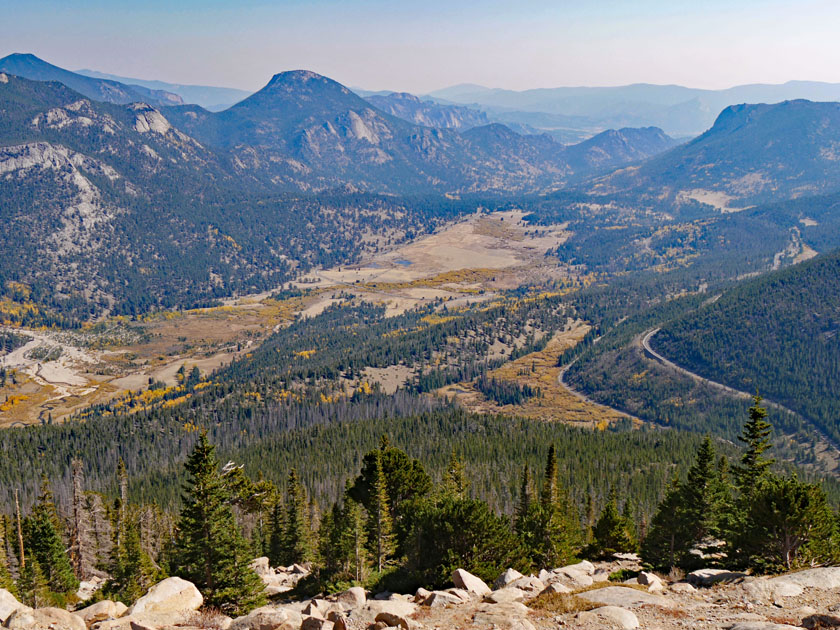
x=651 y=580
x=585 y=567
x=317 y=608
x=760 y=625
x=260 y=566
x=505 y=596
x=268 y=618
x=681 y=587
x=354 y=597
x=625 y=597
x=172 y=595
x=150 y=621
x=469 y=582
x=316 y=623
x=44 y=619
x=88 y=587
x=770 y=589
x=440 y=599
x=707 y=577
x=506 y=578
x=528 y=583
x=512 y=616
x=398 y=607
x=556 y=587
x=822 y=578
x=601 y=575
x=100 y=611
x=8 y=605
x=610 y=616
x=397 y=621
x=460 y=593
x=814 y=622
x=340 y=621
x=421 y=595
x=572 y=576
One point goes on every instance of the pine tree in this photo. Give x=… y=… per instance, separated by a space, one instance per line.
x=524 y=503
x=551 y=531
x=663 y=546
x=379 y=525
x=132 y=571
x=276 y=550
x=612 y=532
x=42 y=539
x=455 y=479
x=789 y=525
x=32 y=586
x=756 y=436
x=6 y=581
x=297 y=538
x=705 y=497
x=210 y=551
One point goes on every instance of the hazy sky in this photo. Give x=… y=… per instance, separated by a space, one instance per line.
x=421 y=46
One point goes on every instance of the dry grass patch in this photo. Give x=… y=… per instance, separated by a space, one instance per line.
x=561 y=603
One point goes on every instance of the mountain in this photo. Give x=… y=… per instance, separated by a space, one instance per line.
x=209 y=97
x=35 y=69
x=778 y=334
x=306 y=130
x=678 y=110
x=427 y=113
x=147 y=217
x=613 y=148
x=752 y=154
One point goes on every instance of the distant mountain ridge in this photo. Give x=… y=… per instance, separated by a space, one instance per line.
x=209 y=97
x=31 y=67
x=676 y=109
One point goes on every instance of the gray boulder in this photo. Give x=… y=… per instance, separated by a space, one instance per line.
x=625 y=597
x=506 y=578
x=8 y=605
x=610 y=616
x=354 y=597
x=101 y=611
x=707 y=577
x=470 y=583
x=172 y=595
x=268 y=618
x=44 y=619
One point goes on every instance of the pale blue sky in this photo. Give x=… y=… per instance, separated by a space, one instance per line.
x=421 y=46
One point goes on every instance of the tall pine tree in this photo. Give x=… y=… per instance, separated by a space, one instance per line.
x=297 y=539
x=379 y=525
x=210 y=551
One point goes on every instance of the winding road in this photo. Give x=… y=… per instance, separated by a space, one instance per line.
x=654 y=355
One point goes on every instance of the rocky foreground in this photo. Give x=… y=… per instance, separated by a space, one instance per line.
x=576 y=596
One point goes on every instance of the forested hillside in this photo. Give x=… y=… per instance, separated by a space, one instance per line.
x=776 y=334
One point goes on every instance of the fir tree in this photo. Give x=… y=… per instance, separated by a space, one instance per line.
x=276 y=549
x=379 y=525
x=612 y=532
x=789 y=525
x=705 y=497
x=132 y=571
x=210 y=551
x=756 y=436
x=6 y=581
x=524 y=503
x=551 y=531
x=455 y=479
x=32 y=585
x=663 y=546
x=296 y=547
x=42 y=539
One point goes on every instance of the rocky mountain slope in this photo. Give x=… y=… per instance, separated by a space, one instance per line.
x=427 y=113
x=583 y=595
x=100 y=89
x=147 y=216
x=752 y=154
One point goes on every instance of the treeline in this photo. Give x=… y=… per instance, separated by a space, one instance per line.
x=393 y=526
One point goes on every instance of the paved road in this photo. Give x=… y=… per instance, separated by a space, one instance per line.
x=653 y=354
x=586 y=398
